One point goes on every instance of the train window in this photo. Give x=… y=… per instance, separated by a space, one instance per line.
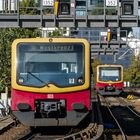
x=41 y=63
x=110 y=74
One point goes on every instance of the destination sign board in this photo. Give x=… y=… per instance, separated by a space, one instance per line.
x=59 y=48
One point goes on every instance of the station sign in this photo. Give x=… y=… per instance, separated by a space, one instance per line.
x=111 y=2
x=48 y=2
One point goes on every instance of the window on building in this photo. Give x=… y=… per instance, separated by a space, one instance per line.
x=128 y=9
x=96 y=2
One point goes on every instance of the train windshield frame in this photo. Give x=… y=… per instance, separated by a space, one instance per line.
x=40 y=64
x=110 y=74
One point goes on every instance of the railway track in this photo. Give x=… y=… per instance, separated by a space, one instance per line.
x=6 y=123
x=93 y=130
x=123 y=118
x=10 y=128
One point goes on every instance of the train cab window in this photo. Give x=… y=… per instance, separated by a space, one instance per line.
x=110 y=74
x=35 y=67
x=59 y=64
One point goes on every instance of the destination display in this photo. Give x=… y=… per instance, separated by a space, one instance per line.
x=59 y=48
x=51 y=47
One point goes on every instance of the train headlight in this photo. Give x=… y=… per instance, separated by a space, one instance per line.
x=24 y=107
x=79 y=107
x=109 y=88
x=21 y=80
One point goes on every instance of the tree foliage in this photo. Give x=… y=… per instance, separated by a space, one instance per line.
x=98 y=10
x=56 y=33
x=7 y=36
x=132 y=73
x=95 y=63
x=28 y=7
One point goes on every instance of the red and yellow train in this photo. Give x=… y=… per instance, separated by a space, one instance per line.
x=51 y=81
x=109 y=79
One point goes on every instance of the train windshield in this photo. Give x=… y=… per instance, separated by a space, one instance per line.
x=110 y=74
x=41 y=64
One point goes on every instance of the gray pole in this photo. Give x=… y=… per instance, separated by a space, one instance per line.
x=115 y=58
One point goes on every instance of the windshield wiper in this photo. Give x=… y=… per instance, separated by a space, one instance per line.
x=38 y=79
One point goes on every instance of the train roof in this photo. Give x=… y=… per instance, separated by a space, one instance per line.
x=50 y=39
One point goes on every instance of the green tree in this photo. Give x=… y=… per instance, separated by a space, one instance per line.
x=56 y=33
x=95 y=63
x=132 y=73
x=98 y=9
x=7 y=36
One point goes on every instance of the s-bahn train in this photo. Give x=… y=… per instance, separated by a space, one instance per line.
x=109 y=79
x=51 y=81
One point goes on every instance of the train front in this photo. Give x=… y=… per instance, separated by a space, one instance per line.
x=50 y=81
x=109 y=79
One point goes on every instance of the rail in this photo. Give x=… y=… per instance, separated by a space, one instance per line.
x=113 y=116
x=124 y=114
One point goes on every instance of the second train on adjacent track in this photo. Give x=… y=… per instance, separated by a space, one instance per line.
x=109 y=79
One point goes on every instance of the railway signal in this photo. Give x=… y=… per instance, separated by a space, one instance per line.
x=108 y=35
x=56 y=4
